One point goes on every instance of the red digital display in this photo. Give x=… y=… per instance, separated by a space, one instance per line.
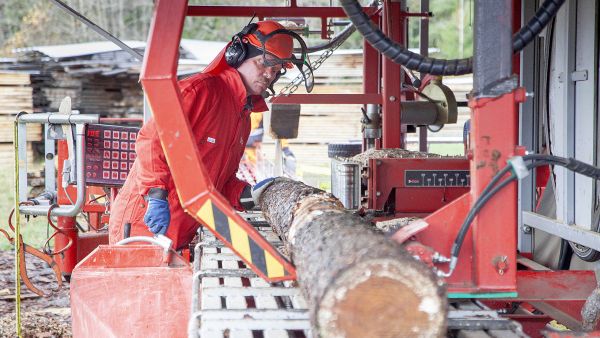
x=110 y=153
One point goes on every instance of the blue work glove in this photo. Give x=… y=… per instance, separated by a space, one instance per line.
x=258 y=189
x=157 y=216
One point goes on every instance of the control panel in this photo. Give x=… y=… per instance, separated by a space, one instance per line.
x=416 y=186
x=109 y=153
x=437 y=178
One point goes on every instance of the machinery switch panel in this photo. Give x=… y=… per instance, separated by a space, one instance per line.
x=437 y=178
x=109 y=153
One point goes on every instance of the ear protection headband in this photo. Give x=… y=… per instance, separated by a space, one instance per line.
x=236 y=53
x=302 y=63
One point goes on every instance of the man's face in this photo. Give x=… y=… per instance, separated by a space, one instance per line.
x=256 y=75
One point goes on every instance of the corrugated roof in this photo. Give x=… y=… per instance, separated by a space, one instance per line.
x=78 y=49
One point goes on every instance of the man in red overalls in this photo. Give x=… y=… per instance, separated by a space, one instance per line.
x=217 y=103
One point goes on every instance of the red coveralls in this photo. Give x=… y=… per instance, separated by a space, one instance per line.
x=215 y=103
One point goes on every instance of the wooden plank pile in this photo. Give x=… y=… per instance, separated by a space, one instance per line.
x=16 y=95
x=33 y=84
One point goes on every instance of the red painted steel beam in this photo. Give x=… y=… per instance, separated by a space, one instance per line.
x=196 y=192
x=555 y=285
x=393 y=24
x=494 y=138
x=68 y=259
x=328 y=99
x=371 y=67
x=268 y=11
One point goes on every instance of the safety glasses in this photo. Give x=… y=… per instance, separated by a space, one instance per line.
x=302 y=63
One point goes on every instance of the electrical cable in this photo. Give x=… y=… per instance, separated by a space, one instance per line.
x=401 y=55
x=493 y=187
x=57 y=230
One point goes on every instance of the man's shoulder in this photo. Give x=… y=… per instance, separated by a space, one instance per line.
x=200 y=80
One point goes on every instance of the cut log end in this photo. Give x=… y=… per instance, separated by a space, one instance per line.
x=383 y=298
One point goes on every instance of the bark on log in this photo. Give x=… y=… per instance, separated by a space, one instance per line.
x=357 y=283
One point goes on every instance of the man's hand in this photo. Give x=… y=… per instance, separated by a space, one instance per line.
x=258 y=189
x=157 y=216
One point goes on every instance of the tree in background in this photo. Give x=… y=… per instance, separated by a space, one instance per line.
x=36 y=23
x=33 y=23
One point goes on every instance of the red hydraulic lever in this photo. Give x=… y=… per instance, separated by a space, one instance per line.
x=196 y=192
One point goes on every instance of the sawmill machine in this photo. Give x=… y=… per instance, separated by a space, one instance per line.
x=477 y=217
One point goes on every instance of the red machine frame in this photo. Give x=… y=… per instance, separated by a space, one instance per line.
x=488 y=269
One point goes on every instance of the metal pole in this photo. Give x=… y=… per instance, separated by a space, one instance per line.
x=424 y=49
x=17 y=235
x=492 y=60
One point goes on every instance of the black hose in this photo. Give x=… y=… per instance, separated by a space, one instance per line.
x=492 y=188
x=566 y=253
x=400 y=54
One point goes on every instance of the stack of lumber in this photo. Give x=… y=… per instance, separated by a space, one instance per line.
x=16 y=95
x=90 y=94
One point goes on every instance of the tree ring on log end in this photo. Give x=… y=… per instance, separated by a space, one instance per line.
x=383 y=298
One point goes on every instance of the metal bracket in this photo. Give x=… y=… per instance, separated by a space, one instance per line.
x=580 y=75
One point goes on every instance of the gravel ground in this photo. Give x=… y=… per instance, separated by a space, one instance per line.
x=40 y=316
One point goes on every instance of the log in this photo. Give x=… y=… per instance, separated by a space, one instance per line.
x=357 y=282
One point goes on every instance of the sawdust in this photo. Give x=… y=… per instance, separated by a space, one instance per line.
x=41 y=317
x=363 y=158
x=389 y=227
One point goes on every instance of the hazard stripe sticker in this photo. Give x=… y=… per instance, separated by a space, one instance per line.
x=237 y=238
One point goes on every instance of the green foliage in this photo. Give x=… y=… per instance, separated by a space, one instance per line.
x=33 y=22
x=450 y=25
x=33 y=230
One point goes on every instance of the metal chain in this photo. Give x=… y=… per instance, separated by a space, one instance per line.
x=291 y=87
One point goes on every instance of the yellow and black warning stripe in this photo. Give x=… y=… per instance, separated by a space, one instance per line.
x=233 y=233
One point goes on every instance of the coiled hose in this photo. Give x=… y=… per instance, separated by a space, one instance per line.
x=416 y=62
